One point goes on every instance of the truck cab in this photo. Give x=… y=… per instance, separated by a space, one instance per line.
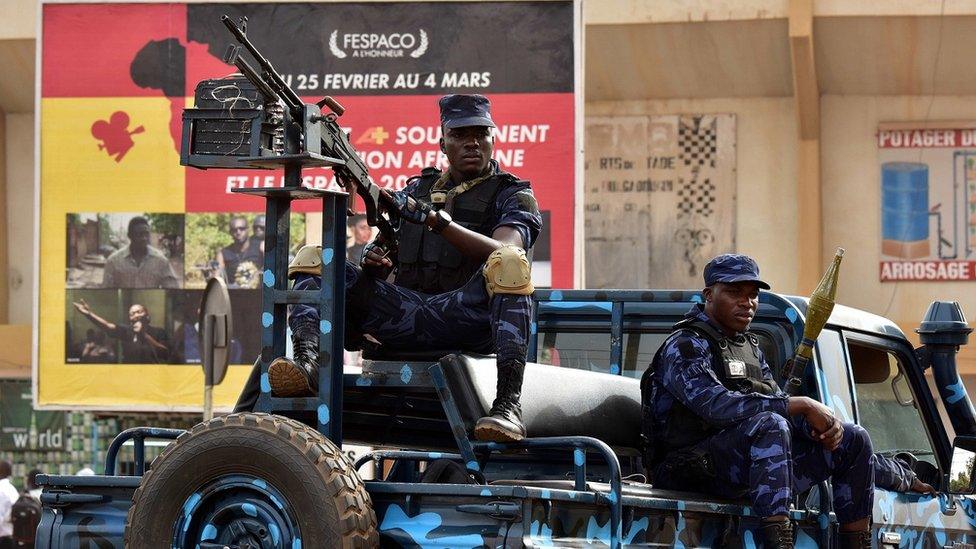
x=864 y=368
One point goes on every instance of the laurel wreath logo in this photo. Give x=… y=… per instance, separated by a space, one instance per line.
x=422 y=47
x=334 y=45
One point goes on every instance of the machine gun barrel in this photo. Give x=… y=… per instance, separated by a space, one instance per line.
x=233 y=57
x=818 y=311
x=271 y=76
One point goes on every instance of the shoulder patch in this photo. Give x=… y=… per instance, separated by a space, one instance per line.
x=526 y=201
x=686 y=348
x=691 y=346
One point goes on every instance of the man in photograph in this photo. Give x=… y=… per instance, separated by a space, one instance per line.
x=139 y=265
x=241 y=250
x=362 y=233
x=258 y=226
x=141 y=342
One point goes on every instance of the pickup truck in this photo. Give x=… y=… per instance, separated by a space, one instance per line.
x=577 y=481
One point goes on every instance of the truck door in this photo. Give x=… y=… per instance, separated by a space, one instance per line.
x=891 y=403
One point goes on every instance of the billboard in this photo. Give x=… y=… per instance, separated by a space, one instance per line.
x=128 y=237
x=23 y=429
x=928 y=202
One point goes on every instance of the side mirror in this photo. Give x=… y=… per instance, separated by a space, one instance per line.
x=961 y=469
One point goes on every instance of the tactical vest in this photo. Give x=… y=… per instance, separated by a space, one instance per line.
x=427 y=262
x=737 y=366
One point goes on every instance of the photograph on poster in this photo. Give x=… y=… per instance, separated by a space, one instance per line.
x=118 y=327
x=358 y=235
x=230 y=246
x=245 y=311
x=124 y=250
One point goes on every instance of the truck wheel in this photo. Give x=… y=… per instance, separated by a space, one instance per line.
x=251 y=480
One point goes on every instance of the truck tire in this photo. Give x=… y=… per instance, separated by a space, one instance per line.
x=257 y=478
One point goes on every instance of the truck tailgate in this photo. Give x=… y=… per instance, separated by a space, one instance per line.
x=84 y=511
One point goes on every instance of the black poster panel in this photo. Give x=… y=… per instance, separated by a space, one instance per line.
x=404 y=48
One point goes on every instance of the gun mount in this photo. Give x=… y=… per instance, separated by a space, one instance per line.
x=255 y=120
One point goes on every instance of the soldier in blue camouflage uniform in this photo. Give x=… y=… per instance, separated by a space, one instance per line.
x=716 y=422
x=462 y=276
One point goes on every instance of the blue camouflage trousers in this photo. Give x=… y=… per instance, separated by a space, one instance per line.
x=465 y=319
x=773 y=458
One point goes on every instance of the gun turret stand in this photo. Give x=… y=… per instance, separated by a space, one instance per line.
x=255 y=121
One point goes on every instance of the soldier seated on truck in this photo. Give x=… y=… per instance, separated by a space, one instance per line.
x=714 y=420
x=461 y=284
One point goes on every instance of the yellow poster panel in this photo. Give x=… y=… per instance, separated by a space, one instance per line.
x=105 y=162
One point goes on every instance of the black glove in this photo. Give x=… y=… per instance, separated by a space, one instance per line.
x=410 y=209
x=377 y=271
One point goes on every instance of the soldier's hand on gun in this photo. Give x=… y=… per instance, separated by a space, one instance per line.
x=376 y=255
x=414 y=211
x=82 y=307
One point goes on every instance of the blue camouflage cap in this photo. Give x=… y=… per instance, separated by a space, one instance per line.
x=460 y=110
x=729 y=268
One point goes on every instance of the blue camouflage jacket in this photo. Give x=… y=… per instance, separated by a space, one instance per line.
x=684 y=374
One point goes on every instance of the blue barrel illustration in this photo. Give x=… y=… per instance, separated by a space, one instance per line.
x=904 y=201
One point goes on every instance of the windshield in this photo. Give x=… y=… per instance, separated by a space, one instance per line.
x=886 y=405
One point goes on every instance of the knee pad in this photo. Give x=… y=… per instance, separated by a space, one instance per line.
x=308 y=260
x=507 y=271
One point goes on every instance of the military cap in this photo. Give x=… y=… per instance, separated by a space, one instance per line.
x=460 y=110
x=731 y=268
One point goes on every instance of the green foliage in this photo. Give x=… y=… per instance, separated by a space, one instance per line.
x=960 y=484
x=206 y=234
x=165 y=223
x=296 y=236
x=104 y=231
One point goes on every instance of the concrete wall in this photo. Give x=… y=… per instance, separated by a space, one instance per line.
x=19 y=19
x=20 y=215
x=766 y=173
x=851 y=209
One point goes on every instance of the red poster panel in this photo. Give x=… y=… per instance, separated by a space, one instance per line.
x=398 y=136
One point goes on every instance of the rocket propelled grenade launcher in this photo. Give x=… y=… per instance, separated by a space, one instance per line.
x=818 y=311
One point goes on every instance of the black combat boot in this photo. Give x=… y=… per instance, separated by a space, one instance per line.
x=777 y=534
x=504 y=420
x=855 y=540
x=299 y=376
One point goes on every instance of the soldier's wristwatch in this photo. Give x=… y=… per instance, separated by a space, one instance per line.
x=440 y=221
